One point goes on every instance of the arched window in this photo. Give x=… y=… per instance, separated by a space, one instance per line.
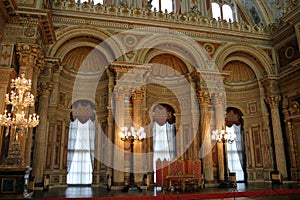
x=216 y=11
x=234 y=163
x=80 y=158
x=163 y=5
x=164 y=140
x=236 y=150
x=80 y=152
x=223 y=10
x=227 y=12
x=98 y=1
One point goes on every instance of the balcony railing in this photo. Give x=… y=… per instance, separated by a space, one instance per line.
x=145 y=13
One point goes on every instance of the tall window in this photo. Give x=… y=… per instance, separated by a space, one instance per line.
x=80 y=152
x=222 y=11
x=163 y=143
x=234 y=162
x=164 y=140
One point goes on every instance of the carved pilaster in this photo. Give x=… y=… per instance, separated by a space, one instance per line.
x=219 y=101
x=6 y=55
x=206 y=147
x=274 y=101
x=118 y=173
x=137 y=100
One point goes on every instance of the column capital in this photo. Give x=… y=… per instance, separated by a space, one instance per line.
x=219 y=98
x=203 y=97
x=30 y=55
x=45 y=88
x=138 y=94
x=273 y=101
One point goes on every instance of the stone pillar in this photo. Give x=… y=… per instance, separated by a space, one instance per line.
x=220 y=122
x=206 y=148
x=40 y=145
x=118 y=158
x=280 y=159
x=137 y=98
x=110 y=118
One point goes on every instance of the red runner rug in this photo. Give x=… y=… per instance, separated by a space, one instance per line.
x=220 y=195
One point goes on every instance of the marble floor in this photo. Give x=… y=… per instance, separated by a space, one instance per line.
x=86 y=192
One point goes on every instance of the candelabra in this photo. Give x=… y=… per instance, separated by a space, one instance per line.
x=16 y=121
x=224 y=137
x=131 y=135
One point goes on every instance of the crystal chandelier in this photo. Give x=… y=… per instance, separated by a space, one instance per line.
x=17 y=121
x=127 y=135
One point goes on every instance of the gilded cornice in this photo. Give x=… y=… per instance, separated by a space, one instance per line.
x=241 y=88
x=36 y=17
x=202 y=27
x=8 y=7
x=294 y=69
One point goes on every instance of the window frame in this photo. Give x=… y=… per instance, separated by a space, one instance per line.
x=221 y=4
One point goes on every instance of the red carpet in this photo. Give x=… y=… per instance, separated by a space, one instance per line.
x=194 y=196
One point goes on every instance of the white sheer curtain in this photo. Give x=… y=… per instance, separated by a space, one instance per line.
x=80 y=163
x=234 y=163
x=163 y=143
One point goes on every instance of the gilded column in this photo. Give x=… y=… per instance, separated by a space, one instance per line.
x=40 y=145
x=220 y=121
x=118 y=159
x=206 y=147
x=280 y=159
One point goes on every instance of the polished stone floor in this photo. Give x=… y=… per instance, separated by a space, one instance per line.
x=86 y=192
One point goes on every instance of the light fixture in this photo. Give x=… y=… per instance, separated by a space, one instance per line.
x=131 y=135
x=224 y=137
x=16 y=121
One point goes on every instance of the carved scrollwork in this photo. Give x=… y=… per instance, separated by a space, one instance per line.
x=294 y=108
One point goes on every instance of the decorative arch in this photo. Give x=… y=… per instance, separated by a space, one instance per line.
x=162 y=113
x=223 y=53
x=83 y=110
x=178 y=45
x=61 y=47
x=247 y=61
x=237 y=107
x=233 y=116
x=152 y=104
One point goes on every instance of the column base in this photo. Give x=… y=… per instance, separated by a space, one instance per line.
x=131 y=188
x=227 y=184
